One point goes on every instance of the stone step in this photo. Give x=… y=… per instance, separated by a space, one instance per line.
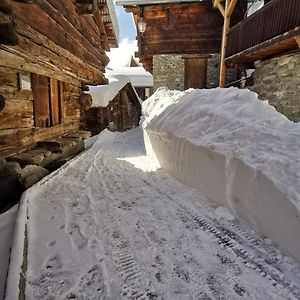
x=83 y=134
x=27 y=158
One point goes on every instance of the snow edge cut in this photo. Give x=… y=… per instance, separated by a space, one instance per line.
x=224 y=178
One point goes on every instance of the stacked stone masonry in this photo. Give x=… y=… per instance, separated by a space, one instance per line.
x=278 y=81
x=168 y=70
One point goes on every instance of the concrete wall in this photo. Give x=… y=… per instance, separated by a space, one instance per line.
x=168 y=70
x=278 y=81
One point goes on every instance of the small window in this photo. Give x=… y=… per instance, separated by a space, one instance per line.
x=47 y=100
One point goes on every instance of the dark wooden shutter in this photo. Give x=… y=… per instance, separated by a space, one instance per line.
x=61 y=102
x=55 y=100
x=41 y=100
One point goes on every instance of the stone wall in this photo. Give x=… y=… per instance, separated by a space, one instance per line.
x=213 y=72
x=168 y=70
x=278 y=81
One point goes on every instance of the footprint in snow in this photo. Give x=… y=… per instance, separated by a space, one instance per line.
x=51 y=243
x=78 y=240
x=53 y=263
x=61 y=227
x=90 y=285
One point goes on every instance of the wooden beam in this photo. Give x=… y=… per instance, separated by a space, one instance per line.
x=5 y=7
x=218 y=5
x=8 y=35
x=297 y=38
x=84 y=9
x=231 y=7
x=101 y=27
x=24 y=1
x=224 y=46
x=227 y=13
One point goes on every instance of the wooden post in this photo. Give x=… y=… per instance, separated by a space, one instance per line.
x=224 y=46
x=297 y=38
x=226 y=12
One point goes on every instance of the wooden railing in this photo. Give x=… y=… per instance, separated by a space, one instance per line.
x=275 y=18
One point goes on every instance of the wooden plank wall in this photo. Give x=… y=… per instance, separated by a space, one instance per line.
x=56 y=41
x=17 y=130
x=52 y=34
x=181 y=28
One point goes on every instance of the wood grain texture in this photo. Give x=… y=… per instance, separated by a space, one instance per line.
x=41 y=100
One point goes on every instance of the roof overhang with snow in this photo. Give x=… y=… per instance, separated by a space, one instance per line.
x=138 y=76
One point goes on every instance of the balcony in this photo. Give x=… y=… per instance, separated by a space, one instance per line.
x=272 y=30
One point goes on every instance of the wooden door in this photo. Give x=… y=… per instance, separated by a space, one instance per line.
x=41 y=100
x=195 y=72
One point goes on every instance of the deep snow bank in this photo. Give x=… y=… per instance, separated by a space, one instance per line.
x=236 y=149
x=7 y=224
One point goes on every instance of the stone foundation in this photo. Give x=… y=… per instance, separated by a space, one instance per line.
x=20 y=171
x=278 y=81
x=168 y=70
x=213 y=73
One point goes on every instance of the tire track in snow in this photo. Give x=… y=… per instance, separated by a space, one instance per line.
x=252 y=251
x=133 y=211
x=122 y=254
x=231 y=244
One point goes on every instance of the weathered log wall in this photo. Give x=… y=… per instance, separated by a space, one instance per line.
x=53 y=39
x=52 y=35
x=122 y=113
x=17 y=130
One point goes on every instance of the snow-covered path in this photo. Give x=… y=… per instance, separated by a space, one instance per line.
x=111 y=226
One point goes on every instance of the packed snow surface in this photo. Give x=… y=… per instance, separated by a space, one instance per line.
x=235 y=123
x=7 y=224
x=111 y=225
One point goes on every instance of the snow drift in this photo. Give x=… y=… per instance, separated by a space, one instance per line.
x=235 y=149
x=7 y=224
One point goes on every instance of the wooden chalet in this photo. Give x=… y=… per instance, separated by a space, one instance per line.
x=189 y=28
x=49 y=51
x=267 y=40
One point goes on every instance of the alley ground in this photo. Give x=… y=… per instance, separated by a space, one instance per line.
x=110 y=225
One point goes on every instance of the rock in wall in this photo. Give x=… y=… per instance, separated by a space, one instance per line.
x=278 y=81
x=168 y=70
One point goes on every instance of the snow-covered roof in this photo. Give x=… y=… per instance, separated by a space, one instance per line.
x=102 y=94
x=138 y=76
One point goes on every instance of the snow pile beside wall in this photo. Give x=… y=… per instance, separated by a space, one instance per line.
x=7 y=225
x=236 y=149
